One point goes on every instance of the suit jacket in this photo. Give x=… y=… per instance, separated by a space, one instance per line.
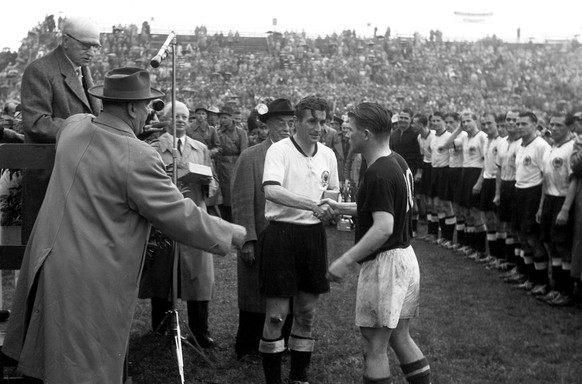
x=196 y=266
x=248 y=210
x=330 y=138
x=50 y=93
x=77 y=291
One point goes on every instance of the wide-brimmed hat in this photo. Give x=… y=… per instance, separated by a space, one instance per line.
x=279 y=107
x=200 y=108
x=212 y=109
x=126 y=83
x=227 y=110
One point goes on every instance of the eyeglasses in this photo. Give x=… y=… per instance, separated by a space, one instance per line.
x=86 y=46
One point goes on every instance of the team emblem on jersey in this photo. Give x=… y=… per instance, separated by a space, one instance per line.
x=494 y=151
x=557 y=162
x=472 y=149
x=527 y=161
x=325 y=179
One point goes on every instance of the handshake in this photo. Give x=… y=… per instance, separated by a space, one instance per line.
x=327 y=209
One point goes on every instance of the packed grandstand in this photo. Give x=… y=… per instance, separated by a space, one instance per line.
x=425 y=73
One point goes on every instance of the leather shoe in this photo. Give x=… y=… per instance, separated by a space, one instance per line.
x=205 y=340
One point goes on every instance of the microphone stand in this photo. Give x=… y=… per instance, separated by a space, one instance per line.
x=172 y=315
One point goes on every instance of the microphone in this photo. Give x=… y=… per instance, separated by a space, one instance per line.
x=163 y=52
x=158 y=105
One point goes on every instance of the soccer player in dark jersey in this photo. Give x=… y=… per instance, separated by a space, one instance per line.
x=389 y=280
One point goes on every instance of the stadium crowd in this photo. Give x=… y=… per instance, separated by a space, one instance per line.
x=491 y=131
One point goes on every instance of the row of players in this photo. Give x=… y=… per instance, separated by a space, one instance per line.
x=510 y=198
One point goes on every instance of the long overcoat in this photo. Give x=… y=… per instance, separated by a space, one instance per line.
x=248 y=210
x=78 y=285
x=196 y=266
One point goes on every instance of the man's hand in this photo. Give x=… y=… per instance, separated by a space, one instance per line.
x=539 y=216
x=562 y=218
x=497 y=199
x=337 y=270
x=332 y=203
x=239 y=234
x=247 y=253
x=323 y=212
x=477 y=189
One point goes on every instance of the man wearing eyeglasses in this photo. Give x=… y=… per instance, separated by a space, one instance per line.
x=55 y=86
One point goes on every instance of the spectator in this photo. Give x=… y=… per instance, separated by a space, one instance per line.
x=233 y=141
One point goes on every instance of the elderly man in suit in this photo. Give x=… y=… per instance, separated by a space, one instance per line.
x=78 y=286
x=196 y=267
x=248 y=210
x=55 y=86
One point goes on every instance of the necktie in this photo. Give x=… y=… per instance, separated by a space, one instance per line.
x=79 y=74
x=180 y=146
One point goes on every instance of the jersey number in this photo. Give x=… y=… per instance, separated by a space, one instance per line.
x=409 y=177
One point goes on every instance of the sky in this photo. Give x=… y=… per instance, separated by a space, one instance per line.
x=539 y=20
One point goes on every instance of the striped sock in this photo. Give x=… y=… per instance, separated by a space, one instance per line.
x=450 y=222
x=441 y=217
x=470 y=236
x=501 y=238
x=492 y=243
x=557 y=273
x=417 y=372
x=461 y=232
x=385 y=380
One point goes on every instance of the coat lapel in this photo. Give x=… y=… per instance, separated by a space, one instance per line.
x=71 y=79
x=88 y=80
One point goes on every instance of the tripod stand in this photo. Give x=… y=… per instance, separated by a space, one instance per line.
x=171 y=318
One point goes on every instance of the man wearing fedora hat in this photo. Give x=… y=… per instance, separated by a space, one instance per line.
x=248 y=210
x=234 y=141
x=78 y=286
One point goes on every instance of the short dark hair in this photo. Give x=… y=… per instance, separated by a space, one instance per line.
x=118 y=103
x=570 y=119
x=454 y=115
x=529 y=114
x=489 y=114
x=422 y=119
x=512 y=111
x=438 y=114
x=311 y=103
x=374 y=117
x=407 y=110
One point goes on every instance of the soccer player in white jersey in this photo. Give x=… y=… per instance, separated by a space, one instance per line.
x=554 y=214
x=423 y=176
x=298 y=170
x=488 y=178
x=442 y=207
x=505 y=199
x=529 y=160
x=473 y=146
x=453 y=121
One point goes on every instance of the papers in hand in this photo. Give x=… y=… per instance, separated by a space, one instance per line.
x=193 y=173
